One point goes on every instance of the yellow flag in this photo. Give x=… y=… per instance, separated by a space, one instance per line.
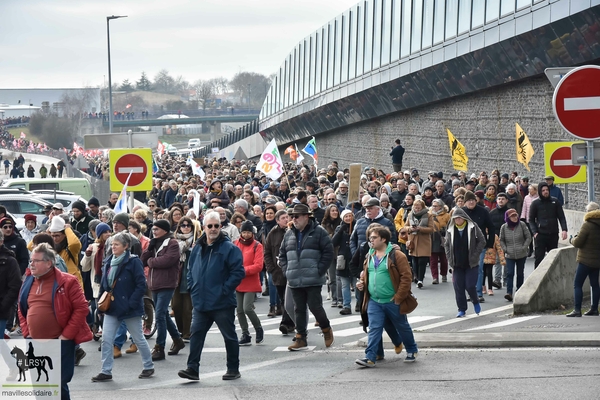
x=458 y=153
x=524 y=148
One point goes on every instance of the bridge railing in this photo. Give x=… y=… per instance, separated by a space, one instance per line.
x=241 y=133
x=189 y=113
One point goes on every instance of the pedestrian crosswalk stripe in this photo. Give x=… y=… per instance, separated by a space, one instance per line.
x=457 y=320
x=284 y=348
x=511 y=321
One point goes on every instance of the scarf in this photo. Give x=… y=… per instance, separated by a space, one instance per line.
x=491 y=198
x=461 y=226
x=246 y=242
x=185 y=242
x=98 y=259
x=114 y=267
x=421 y=218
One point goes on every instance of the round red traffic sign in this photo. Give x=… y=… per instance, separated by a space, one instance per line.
x=561 y=164
x=576 y=102
x=134 y=164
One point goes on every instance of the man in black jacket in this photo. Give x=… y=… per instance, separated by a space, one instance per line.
x=10 y=284
x=481 y=216
x=544 y=215
x=397 y=154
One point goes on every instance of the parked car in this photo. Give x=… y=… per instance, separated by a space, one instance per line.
x=65 y=198
x=80 y=186
x=18 y=205
x=193 y=143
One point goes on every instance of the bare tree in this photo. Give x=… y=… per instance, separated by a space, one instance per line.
x=252 y=86
x=164 y=83
x=220 y=84
x=205 y=92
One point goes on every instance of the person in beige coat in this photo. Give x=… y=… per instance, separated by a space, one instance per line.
x=419 y=239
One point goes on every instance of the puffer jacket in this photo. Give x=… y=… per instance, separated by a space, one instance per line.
x=306 y=266
x=163 y=263
x=359 y=234
x=214 y=272
x=496 y=251
x=10 y=281
x=253 y=257
x=272 y=246
x=515 y=242
x=477 y=241
x=129 y=289
x=69 y=305
x=588 y=240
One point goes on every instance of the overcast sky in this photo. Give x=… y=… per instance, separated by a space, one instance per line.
x=62 y=43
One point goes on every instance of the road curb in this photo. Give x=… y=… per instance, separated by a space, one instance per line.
x=498 y=339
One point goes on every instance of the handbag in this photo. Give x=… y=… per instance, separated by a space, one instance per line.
x=341 y=263
x=409 y=304
x=106 y=298
x=410 y=245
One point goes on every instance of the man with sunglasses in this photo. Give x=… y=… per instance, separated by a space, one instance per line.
x=215 y=270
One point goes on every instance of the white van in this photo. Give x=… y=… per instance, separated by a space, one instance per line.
x=193 y=143
x=79 y=186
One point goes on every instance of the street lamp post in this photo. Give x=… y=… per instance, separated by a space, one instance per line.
x=110 y=106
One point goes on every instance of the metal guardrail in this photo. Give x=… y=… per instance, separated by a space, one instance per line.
x=237 y=135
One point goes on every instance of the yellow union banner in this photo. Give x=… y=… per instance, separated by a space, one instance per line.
x=460 y=160
x=524 y=147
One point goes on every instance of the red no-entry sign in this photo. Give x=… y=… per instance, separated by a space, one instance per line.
x=137 y=162
x=576 y=102
x=134 y=164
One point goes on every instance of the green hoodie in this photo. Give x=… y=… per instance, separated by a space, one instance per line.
x=381 y=288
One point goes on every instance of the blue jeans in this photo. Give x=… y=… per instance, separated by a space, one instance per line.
x=121 y=336
x=582 y=272
x=510 y=273
x=480 y=273
x=273 y=298
x=67 y=361
x=201 y=323
x=464 y=280
x=164 y=322
x=390 y=329
x=378 y=312
x=346 y=293
x=109 y=330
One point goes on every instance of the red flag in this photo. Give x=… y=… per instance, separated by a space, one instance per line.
x=23 y=136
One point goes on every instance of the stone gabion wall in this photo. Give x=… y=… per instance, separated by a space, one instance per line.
x=483 y=122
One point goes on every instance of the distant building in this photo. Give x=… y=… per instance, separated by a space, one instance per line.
x=19 y=102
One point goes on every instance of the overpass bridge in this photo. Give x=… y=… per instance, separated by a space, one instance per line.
x=181 y=121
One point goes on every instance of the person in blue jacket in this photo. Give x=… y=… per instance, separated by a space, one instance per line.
x=215 y=270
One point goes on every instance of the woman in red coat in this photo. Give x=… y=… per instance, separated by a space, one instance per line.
x=252 y=252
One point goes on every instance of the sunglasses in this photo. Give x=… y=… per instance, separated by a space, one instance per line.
x=297 y=216
x=7 y=227
x=186 y=226
x=211 y=226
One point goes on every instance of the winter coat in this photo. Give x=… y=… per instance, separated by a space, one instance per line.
x=169 y=199
x=87 y=264
x=526 y=206
x=18 y=246
x=515 y=201
x=69 y=305
x=359 y=234
x=544 y=216
x=129 y=290
x=481 y=216
x=307 y=264
x=496 y=251
x=588 y=240
x=515 y=242
x=10 y=282
x=440 y=224
x=163 y=261
x=476 y=239
x=70 y=254
x=223 y=198
x=497 y=216
x=271 y=252
x=253 y=257
x=421 y=239
x=82 y=225
x=214 y=272
x=341 y=244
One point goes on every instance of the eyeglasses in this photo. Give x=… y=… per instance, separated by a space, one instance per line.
x=371 y=238
x=297 y=216
x=215 y=226
x=152 y=205
x=31 y=262
x=186 y=226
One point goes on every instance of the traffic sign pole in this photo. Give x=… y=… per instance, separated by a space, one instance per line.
x=590 y=169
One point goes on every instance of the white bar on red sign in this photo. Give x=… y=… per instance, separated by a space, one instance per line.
x=582 y=103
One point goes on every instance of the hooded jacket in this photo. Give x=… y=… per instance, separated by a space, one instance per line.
x=480 y=216
x=476 y=239
x=10 y=281
x=588 y=239
x=545 y=214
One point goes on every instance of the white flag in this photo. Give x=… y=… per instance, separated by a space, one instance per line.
x=270 y=161
x=300 y=156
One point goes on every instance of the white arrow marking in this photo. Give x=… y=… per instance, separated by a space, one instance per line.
x=562 y=163
x=133 y=170
x=582 y=103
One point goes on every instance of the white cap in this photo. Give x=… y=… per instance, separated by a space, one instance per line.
x=58 y=205
x=57 y=224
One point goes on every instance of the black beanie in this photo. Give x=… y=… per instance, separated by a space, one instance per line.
x=93 y=202
x=80 y=205
x=247 y=226
x=163 y=224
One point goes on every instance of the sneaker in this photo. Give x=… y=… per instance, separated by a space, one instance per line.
x=334 y=304
x=420 y=284
x=328 y=296
x=189 y=373
x=365 y=362
x=79 y=355
x=299 y=343
x=328 y=336
x=574 y=313
x=231 y=375
x=444 y=279
x=590 y=312
x=508 y=297
x=147 y=373
x=490 y=292
x=147 y=331
x=345 y=311
x=497 y=284
x=398 y=349
x=16 y=331
x=477 y=308
x=410 y=357
x=481 y=299
x=460 y=314
x=435 y=282
x=484 y=290
x=246 y=340
x=340 y=305
x=260 y=335
x=285 y=329
x=102 y=378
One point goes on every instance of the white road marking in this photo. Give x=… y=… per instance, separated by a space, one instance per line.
x=511 y=321
x=582 y=103
x=457 y=320
x=133 y=170
x=284 y=348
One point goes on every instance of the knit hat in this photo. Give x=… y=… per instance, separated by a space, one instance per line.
x=80 y=205
x=101 y=228
x=470 y=196
x=122 y=218
x=93 y=202
x=344 y=213
x=30 y=217
x=57 y=225
x=247 y=226
x=163 y=224
x=509 y=213
x=384 y=197
x=480 y=194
